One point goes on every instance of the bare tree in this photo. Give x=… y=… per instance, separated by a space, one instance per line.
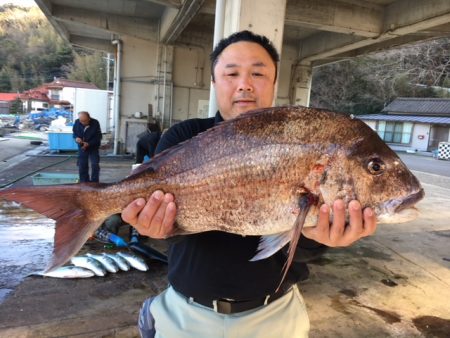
x=366 y=84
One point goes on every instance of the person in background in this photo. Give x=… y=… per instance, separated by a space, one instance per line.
x=88 y=136
x=148 y=140
x=215 y=291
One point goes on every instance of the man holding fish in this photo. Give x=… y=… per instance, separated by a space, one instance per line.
x=215 y=290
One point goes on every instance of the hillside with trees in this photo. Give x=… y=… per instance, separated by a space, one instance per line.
x=32 y=53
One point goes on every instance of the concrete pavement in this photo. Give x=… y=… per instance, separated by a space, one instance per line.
x=393 y=284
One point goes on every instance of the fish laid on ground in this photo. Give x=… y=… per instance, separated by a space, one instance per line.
x=89 y=263
x=264 y=173
x=109 y=263
x=70 y=272
x=134 y=260
x=121 y=262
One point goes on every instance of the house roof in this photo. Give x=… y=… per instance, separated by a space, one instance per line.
x=8 y=96
x=61 y=83
x=405 y=118
x=419 y=106
x=34 y=94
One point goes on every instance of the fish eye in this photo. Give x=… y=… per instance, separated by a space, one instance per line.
x=375 y=166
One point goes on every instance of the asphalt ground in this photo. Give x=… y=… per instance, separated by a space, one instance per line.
x=426 y=164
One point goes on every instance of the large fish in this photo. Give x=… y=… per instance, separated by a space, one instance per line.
x=263 y=173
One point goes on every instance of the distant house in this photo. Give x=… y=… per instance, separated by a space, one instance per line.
x=6 y=100
x=58 y=93
x=61 y=91
x=34 y=99
x=417 y=124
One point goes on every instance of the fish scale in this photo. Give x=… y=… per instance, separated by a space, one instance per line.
x=263 y=173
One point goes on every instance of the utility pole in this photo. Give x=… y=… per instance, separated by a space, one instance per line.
x=108 y=64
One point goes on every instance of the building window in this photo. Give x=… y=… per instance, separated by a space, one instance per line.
x=395 y=132
x=55 y=95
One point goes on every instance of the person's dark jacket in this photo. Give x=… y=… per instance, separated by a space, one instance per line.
x=91 y=134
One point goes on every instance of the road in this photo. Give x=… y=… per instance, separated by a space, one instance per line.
x=426 y=164
x=12 y=147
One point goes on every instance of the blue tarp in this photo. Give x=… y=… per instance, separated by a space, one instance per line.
x=45 y=117
x=50 y=114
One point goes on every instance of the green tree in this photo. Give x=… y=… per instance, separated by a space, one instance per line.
x=5 y=84
x=16 y=107
x=31 y=52
x=88 y=67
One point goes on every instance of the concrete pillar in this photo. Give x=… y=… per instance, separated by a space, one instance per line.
x=265 y=17
x=301 y=84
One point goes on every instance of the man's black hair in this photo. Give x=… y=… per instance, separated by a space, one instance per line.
x=248 y=37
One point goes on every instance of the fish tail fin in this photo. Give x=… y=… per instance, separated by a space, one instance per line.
x=75 y=221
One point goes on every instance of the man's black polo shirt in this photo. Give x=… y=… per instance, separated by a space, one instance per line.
x=216 y=264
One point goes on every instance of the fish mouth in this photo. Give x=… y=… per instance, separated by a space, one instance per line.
x=400 y=210
x=410 y=200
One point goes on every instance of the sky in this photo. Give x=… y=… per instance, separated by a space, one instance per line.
x=24 y=3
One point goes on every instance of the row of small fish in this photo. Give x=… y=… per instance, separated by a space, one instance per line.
x=98 y=265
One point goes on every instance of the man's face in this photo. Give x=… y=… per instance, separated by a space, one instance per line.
x=84 y=119
x=243 y=79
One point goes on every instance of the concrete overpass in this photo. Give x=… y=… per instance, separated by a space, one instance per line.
x=162 y=46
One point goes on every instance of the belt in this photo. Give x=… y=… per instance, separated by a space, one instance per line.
x=226 y=306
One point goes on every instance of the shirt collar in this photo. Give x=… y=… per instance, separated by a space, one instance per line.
x=218 y=118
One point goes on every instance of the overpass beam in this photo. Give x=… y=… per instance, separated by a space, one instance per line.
x=174 y=21
x=92 y=43
x=334 y=16
x=136 y=27
x=401 y=18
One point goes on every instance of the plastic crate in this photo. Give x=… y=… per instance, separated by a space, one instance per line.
x=54 y=178
x=61 y=141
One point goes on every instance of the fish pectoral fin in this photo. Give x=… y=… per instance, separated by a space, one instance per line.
x=270 y=244
x=305 y=202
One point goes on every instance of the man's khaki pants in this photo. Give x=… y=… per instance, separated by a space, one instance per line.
x=175 y=316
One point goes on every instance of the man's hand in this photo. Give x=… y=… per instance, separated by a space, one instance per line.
x=84 y=146
x=362 y=223
x=154 y=218
x=78 y=140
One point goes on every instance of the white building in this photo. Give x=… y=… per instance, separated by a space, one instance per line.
x=413 y=124
x=74 y=95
